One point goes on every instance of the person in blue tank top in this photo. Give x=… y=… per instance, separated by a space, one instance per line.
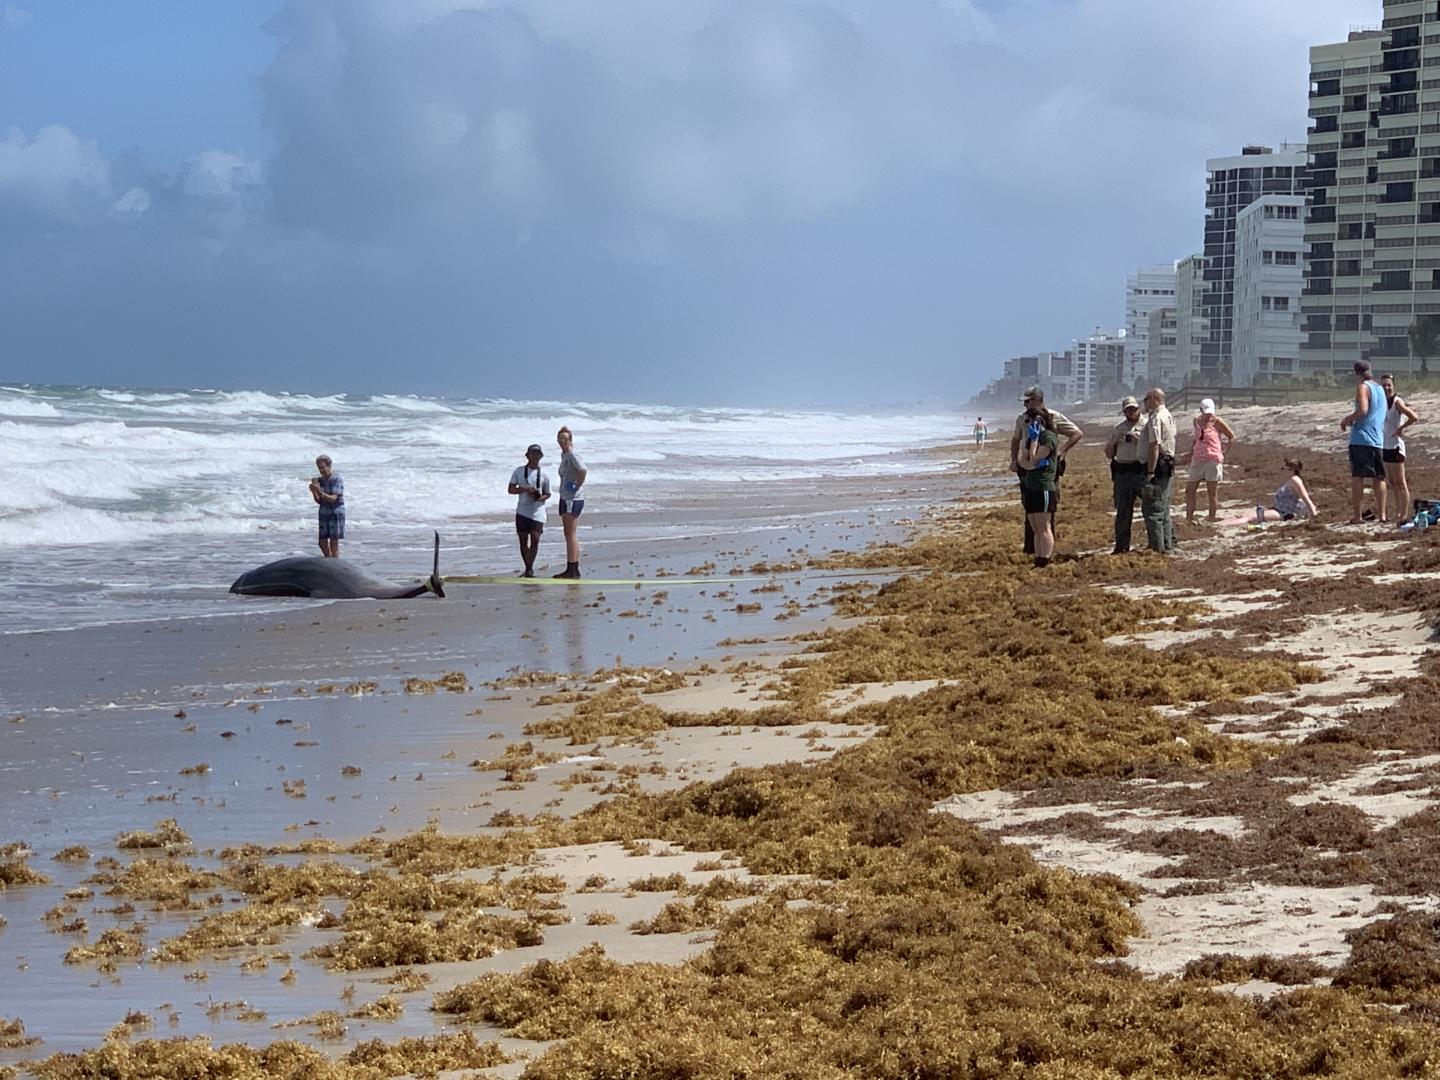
x=1366 y=425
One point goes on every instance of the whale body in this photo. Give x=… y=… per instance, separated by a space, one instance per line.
x=331 y=579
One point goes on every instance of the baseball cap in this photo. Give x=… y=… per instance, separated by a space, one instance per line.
x=1129 y=403
x=534 y=448
x=1207 y=405
x=1034 y=392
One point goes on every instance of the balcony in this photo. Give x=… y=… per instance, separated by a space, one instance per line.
x=1396 y=155
x=1325 y=125
x=1400 y=105
x=1318 y=288
x=1321 y=215
x=1401 y=60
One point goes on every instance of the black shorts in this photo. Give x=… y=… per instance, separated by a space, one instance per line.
x=1366 y=462
x=527 y=525
x=1393 y=457
x=1039 y=502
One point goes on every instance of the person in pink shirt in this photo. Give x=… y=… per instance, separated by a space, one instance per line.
x=1207 y=459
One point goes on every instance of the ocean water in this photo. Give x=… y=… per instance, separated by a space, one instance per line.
x=122 y=504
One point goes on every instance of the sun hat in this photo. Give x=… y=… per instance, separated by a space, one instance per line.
x=1034 y=392
x=535 y=448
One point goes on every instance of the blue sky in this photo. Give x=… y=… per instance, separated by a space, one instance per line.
x=747 y=201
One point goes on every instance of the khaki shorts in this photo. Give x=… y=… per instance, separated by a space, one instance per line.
x=1210 y=471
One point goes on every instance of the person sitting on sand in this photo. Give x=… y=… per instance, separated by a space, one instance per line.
x=1040 y=459
x=328 y=491
x=1206 y=458
x=531 y=483
x=1290 y=502
x=1366 y=424
x=572 y=500
x=1398 y=417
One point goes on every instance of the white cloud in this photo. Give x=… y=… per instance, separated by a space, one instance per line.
x=132 y=204
x=55 y=175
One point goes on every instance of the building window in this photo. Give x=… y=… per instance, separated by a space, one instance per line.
x=1285 y=258
x=1267 y=257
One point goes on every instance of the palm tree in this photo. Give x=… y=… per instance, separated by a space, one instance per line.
x=1425 y=340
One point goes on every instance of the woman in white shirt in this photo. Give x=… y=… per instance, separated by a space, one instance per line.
x=1398 y=417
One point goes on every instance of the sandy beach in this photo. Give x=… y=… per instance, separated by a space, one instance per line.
x=350 y=720
x=876 y=799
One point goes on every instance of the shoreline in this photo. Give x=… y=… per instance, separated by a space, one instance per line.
x=1121 y=799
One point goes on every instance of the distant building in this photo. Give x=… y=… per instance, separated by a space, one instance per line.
x=1234 y=183
x=1059 y=379
x=1189 y=317
x=1099 y=366
x=1164 y=367
x=1148 y=289
x=1269 y=252
x=1372 y=224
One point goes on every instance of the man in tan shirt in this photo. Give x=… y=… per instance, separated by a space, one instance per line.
x=1125 y=450
x=1070 y=434
x=1159 y=473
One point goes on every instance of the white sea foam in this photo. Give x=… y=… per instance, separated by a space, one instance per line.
x=164 y=486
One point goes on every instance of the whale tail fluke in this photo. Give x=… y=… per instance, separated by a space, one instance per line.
x=436 y=582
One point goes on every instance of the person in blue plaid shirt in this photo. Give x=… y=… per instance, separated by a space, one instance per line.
x=328 y=491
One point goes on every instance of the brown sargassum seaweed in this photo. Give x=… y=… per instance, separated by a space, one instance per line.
x=919 y=948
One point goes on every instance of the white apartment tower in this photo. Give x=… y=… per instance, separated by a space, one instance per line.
x=1372 y=224
x=1269 y=253
x=1099 y=365
x=1234 y=183
x=1164 y=370
x=1189 y=320
x=1147 y=290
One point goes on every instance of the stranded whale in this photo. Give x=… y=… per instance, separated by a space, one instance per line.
x=331 y=579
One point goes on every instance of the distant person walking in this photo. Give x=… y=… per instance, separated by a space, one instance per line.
x=572 y=499
x=1366 y=424
x=1125 y=450
x=1159 y=473
x=1398 y=417
x=1034 y=402
x=1040 y=458
x=981 y=433
x=328 y=491
x=1206 y=458
x=531 y=483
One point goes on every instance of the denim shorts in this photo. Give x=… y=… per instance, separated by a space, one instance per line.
x=573 y=507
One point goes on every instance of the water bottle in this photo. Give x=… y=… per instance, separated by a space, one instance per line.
x=1259 y=513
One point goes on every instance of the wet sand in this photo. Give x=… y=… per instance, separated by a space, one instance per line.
x=270 y=728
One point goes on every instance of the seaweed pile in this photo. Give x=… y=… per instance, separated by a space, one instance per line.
x=912 y=945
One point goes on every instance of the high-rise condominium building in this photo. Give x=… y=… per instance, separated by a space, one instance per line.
x=1269 y=249
x=1164 y=370
x=1146 y=290
x=1372 y=225
x=1099 y=365
x=1234 y=183
x=1189 y=322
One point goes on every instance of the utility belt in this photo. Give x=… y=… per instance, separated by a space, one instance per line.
x=1127 y=467
x=1164 y=466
